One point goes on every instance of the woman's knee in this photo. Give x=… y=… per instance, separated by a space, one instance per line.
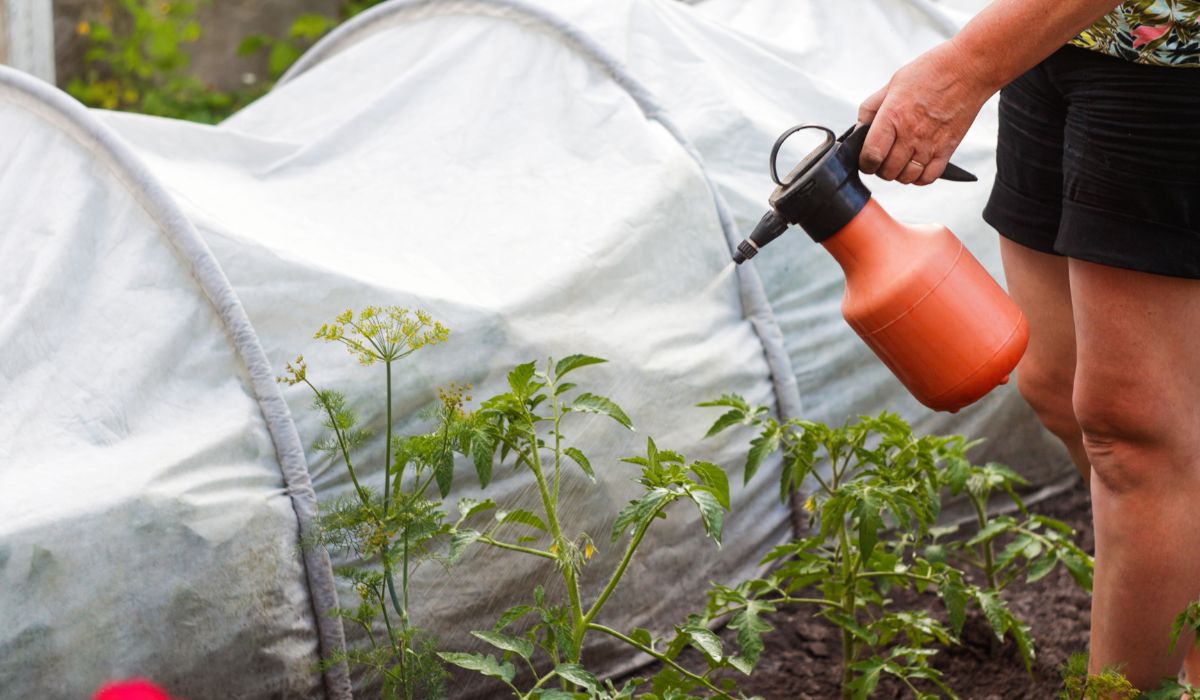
x=1125 y=433
x=1048 y=393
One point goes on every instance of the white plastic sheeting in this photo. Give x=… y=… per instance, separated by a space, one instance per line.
x=152 y=486
x=543 y=179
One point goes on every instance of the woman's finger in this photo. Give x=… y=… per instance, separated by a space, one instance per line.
x=911 y=172
x=877 y=146
x=867 y=110
x=897 y=160
x=933 y=170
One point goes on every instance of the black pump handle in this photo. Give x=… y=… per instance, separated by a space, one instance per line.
x=852 y=144
x=816 y=155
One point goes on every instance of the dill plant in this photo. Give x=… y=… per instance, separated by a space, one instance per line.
x=1109 y=684
x=396 y=528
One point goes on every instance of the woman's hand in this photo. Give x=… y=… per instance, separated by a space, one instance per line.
x=922 y=114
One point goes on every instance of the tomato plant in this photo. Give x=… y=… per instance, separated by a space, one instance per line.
x=873 y=491
x=1033 y=544
x=525 y=426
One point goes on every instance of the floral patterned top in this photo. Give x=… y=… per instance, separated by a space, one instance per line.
x=1157 y=32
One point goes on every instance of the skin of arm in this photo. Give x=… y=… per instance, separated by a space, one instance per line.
x=926 y=108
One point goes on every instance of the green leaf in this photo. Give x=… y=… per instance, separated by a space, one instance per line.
x=460 y=540
x=869 y=524
x=574 y=673
x=954 y=595
x=443 y=472
x=936 y=554
x=486 y=665
x=469 y=506
x=670 y=457
x=556 y=694
x=572 y=362
x=640 y=510
x=992 y=530
x=578 y=457
x=993 y=610
x=750 y=628
x=1056 y=525
x=870 y=669
x=519 y=379
x=731 y=417
x=281 y=57
x=708 y=643
x=523 y=517
x=730 y=400
x=1080 y=567
x=711 y=512
x=1041 y=567
x=310 y=26
x=850 y=625
x=517 y=645
x=510 y=616
x=1020 y=634
x=760 y=448
x=591 y=403
x=252 y=44
x=744 y=665
x=190 y=31
x=715 y=479
x=642 y=636
x=483 y=448
x=1020 y=545
x=1190 y=617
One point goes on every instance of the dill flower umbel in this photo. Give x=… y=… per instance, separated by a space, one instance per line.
x=383 y=333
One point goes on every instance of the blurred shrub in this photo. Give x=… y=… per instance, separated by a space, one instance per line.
x=283 y=51
x=136 y=58
x=135 y=61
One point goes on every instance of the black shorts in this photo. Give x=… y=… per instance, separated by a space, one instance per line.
x=1098 y=159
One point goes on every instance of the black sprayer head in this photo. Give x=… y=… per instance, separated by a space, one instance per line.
x=768 y=229
x=822 y=193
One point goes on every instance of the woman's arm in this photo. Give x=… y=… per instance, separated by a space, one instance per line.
x=922 y=114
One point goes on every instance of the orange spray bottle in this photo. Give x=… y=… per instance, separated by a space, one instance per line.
x=914 y=293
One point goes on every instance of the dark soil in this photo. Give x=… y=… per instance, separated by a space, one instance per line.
x=802 y=656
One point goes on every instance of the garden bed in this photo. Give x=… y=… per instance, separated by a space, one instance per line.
x=802 y=656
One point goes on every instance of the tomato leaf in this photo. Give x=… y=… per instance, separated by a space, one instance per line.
x=572 y=362
x=591 y=403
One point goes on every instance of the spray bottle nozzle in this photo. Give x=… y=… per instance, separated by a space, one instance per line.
x=770 y=227
x=822 y=193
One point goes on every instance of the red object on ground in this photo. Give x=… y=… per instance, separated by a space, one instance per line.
x=136 y=689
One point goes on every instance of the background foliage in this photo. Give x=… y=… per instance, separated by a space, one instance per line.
x=138 y=58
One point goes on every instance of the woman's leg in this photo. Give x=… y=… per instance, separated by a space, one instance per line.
x=1137 y=400
x=1039 y=283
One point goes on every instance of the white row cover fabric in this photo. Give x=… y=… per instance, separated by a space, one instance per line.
x=548 y=178
x=153 y=489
